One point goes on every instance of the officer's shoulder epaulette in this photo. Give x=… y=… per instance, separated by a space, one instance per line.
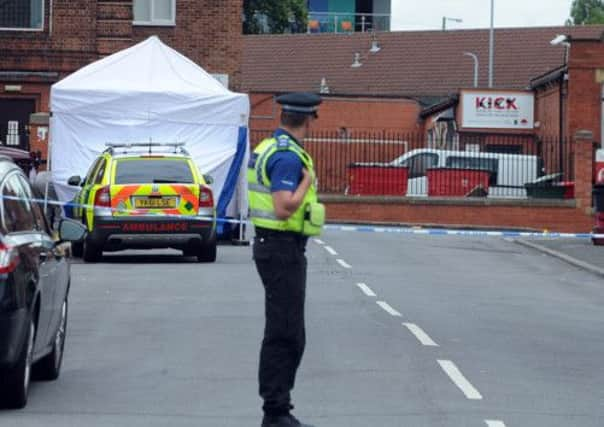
x=283 y=142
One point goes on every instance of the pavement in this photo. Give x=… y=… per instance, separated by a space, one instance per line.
x=581 y=253
x=403 y=331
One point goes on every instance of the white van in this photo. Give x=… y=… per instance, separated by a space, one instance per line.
x=509 y=172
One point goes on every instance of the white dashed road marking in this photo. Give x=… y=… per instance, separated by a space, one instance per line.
x=366 y=290
x=330 y=250
x=319 y=242
x=459 y=380
x=343 y=263
x=494 y=423
x=388 y=309
x=420 y=335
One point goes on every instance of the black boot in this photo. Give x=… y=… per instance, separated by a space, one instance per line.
x=282 y=421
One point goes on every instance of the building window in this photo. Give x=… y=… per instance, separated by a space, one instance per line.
x=21 y=14
x=154 y=12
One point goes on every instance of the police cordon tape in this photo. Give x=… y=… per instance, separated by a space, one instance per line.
x=414 y=230
x=459 y=232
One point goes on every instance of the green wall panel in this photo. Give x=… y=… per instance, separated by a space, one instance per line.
x=342 y=6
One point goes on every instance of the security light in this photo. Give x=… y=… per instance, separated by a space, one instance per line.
x=560 y=39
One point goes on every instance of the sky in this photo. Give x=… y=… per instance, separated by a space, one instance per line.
x=428 y=14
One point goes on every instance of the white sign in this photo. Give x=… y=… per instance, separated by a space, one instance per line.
x=42 y=133
x=13 y=88
x=498 y=110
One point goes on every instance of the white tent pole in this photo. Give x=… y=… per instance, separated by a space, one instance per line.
x=241 y=225
x=48 y=156
x=243 y=180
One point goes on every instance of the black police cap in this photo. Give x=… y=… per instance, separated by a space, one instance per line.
x=300 y=103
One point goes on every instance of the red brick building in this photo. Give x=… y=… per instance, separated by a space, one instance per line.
x=45 y=40
x=569 y=97
x=399 y=85
x=410 y=83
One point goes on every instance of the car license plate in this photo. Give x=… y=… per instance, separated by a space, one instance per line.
x=155 y=203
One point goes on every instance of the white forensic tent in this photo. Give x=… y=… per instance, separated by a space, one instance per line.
x=150 y=92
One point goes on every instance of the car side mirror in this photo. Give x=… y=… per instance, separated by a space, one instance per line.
x=209 y=179
x=71 y=231
x=75 y=181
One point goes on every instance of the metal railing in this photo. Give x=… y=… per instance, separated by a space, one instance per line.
x=328 y=22
x=481 y=165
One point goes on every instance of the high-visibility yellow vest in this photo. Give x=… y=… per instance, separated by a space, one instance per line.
x=308 y=219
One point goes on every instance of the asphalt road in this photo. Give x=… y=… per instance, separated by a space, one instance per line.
x=402 y=331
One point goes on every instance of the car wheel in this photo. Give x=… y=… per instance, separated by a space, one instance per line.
x=77 y=249
x=207 y=252
x=16 y=382
x=187 y=253
x=92 y=252
x=49 y=368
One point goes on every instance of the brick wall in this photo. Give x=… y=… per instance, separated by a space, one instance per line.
x=209 y=32
x=82 y=31
x=584 y=101
x=584 y=171
x=547 y=110
x=335 y=113
x=37 y=91
x=555 y=217
x=65 y=44
x=584 y=92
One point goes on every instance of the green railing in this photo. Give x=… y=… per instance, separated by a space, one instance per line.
x=328 y=22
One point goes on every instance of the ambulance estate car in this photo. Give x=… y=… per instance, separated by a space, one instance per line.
x=149 y=195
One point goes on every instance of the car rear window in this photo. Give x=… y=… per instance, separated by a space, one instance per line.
x=472 y=163
x=143 y=171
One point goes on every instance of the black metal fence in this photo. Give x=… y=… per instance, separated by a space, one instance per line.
x=478 y=165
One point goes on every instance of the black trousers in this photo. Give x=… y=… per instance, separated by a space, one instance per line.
x=281 y=262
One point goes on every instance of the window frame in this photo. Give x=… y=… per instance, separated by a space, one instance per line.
x=91 y=175
x=41 y=215
x=32 y=29
x=155 y=22
x=40 y=220
x=99 y=175
x=123 y=163
x=19 y=177
x=409 y=163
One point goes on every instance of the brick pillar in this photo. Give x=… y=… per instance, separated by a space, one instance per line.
x=38 y=136
x=584 y=163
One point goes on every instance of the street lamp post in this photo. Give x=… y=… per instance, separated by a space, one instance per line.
x=491 y=43
x=475 y=58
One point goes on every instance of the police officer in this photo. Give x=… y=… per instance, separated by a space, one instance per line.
x=285 y=212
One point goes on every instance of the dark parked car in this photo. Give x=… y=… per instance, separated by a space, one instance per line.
x=34 y=288
x=24 y=159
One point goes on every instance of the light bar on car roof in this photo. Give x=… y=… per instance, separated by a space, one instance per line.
x=144 y=144
x=177 y=147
